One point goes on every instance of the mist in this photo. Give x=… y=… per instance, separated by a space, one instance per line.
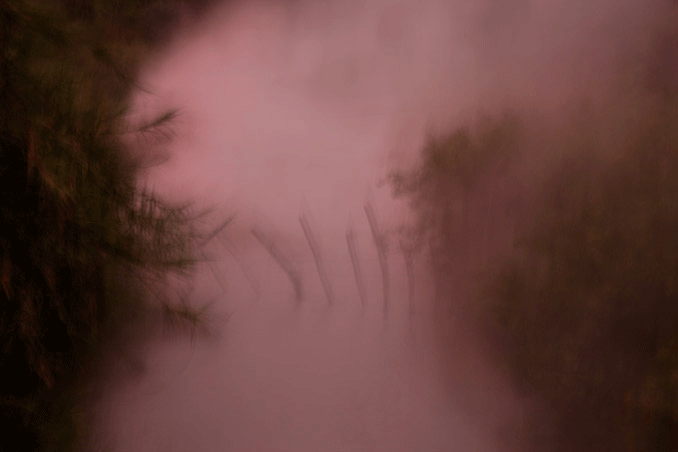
x=291 y=117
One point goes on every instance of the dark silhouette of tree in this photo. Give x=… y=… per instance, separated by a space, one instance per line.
x=582 y=316
x=80 y=242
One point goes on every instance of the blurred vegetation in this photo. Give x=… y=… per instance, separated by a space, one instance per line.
x=585 y=312
x=81 y=244
x=582 y=315
x=449 y=190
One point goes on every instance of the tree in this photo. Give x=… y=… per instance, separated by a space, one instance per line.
x=451 y=193
x=80 y=242
x=582 y=316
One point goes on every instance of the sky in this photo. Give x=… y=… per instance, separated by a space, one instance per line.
x=291 y=116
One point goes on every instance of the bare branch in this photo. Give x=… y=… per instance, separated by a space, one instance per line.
x=353 y=252
x=409 y=267
x=287 y=267
x=436 y=267
x=317 y=257
x=243 y=267
x=217 y=230
x=381 y=252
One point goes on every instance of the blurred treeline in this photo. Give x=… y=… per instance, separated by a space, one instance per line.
x=570 y=232
x=80 y=243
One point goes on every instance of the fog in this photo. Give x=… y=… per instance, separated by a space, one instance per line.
x=291 y=115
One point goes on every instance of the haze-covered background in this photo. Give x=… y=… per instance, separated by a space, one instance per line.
x=303 y=108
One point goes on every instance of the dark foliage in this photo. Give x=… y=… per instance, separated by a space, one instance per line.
x=79 y=241
x=583 y=313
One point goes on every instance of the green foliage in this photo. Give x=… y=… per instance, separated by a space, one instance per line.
x=80 y=243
